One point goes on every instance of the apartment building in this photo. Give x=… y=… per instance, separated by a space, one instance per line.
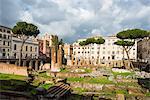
x=5 y=42
x=10 y=45
x=144 y=50
x=45 y=42
x=30 y=48
x=103 y=53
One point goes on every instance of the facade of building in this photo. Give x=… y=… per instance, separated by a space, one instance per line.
x=30 y=48
x=45 y=42
x=68 y=52
x=5 y=42
x=10 y=45
x=144 y=50
x=103 y=53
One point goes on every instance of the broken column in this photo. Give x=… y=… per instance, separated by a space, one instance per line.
x=59 y=56
x=53 y=57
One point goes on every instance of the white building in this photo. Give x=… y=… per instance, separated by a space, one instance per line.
x=10 y=45
x=5 y=42
x=102 y=53
x=30 y=48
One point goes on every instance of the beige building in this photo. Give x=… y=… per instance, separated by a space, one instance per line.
x=68 y=51
x=45 y=43
x=104 y=53
x=144 y=50
x=5 y=42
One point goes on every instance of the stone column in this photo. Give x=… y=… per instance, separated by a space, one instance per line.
x=36 y=65
x=53 y=56
x=31 y=64
x=24 y=63
x=59 y=56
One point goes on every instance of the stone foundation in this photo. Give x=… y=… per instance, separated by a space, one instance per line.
x=13 y=69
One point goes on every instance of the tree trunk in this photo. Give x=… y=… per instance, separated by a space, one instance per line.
x=129 y=58
x=20 y=53
x=123 y=58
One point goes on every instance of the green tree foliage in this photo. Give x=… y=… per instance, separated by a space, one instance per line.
x=55 y=41
x=24 y=30
x=124 y=43
x=133 y=34
x=61 y=42
x=128 y=38
x=99 y=40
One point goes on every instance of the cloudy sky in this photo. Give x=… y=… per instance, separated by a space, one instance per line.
x=73 y=19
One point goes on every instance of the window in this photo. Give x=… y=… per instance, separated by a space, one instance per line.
x=103 y=57
x=26 y=55
x=8 y=37
x=4 y=36
x=3 y=42
x=31 y=48
x=8 y=50
x=3 y=55
x=113 y=52
x=15 y=46
x=8 y=31
x=1 y=30
x=97 y=52
x=35 y=49
x=14 y=54
x=3 y=50
x=0 y=35
x=113 y=57
x=8 y=43
x=108 y=57
x=26 y=48
x=79 y=52
x=4 y=30
x=103 y=47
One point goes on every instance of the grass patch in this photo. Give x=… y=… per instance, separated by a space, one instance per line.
x=11 y=76
x=46 y=86
x=121 y=92
x=123 y=74
x=64 y=70
x=127 y=84
x=44 y=75
x=98 y=80
x=147 y=94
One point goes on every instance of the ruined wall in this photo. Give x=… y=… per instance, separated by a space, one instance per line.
x=13 y=69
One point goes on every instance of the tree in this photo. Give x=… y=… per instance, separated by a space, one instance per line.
x=61 y=42
x=128 y=38
x=99 y=40
x=24 y=30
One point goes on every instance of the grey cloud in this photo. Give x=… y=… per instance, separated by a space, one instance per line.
x=107 y=16
x=10 y=12
x=46 y=11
